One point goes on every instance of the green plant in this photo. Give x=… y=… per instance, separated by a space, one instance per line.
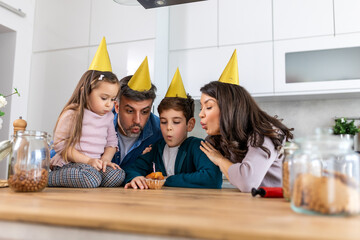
x=3 y=101
x=342 y=126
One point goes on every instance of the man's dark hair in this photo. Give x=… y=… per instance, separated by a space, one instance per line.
x=126 y=91
x=186 y=105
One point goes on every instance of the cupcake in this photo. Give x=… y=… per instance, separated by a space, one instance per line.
x=155 y=180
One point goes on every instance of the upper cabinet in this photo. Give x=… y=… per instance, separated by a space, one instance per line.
x=193 y=25
x=54 y=28
x=317 y=65
x=244 y=21
x=93 y=20
x=200 y=66
x=302 y=18
x=347 y=16
x=127 y=23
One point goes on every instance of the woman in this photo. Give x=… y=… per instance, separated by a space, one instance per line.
x=244 y=141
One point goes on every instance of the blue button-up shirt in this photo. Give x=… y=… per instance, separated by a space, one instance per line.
x=150 y=134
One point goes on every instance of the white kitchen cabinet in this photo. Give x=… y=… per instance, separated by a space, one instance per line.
x=256 y=68
x=197 y=67
x=302 y=18
x=54 y=76
x=26 y=6
x=61 y=24
x=244 y=21
x=323 y=71
x=120 y=23
x=193 y=25
x=126 y=57
x=200 y=66
x=347 y=17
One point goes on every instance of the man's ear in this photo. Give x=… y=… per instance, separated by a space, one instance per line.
x=191 y=124
x=116 y=106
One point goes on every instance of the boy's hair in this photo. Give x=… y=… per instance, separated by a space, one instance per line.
x=79 y=101
x=126 y=91
x=186 y=105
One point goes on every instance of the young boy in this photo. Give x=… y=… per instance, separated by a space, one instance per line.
x=177 y=156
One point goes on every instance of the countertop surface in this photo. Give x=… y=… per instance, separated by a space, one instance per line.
x=193 y=213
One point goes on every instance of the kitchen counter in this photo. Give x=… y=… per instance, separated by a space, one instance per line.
x=177 y=212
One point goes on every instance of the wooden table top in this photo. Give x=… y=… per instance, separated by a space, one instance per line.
x=195 y=213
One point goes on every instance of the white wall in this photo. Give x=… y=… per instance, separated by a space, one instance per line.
x=7 y=54
x=23 y=27
x=15 y=51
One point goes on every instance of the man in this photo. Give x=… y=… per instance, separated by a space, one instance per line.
x=136 y=126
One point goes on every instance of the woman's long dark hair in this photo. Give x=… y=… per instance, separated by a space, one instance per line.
x=242 y=122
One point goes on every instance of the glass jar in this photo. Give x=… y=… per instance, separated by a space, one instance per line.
x=289 y=150
x=325 y=176
x=30 y=161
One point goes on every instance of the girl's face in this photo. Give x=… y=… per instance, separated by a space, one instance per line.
x=102 y=98
x=209 y=115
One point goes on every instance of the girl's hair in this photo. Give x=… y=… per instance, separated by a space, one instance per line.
x=79 y=101
x=242 y=122
x=186 y=105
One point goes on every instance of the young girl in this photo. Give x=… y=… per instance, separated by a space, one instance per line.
x=84 y=138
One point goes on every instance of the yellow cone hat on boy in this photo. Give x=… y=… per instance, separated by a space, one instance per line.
x=101 y=60
x=231 y=72
x=140 y=81
x=176 y=88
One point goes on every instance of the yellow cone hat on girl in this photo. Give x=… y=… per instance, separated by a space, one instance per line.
x=101 y=60
x=176 y=88
x=231 y=72
x=140 y=81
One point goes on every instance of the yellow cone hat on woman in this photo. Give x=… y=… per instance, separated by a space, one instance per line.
x=176 y=88
x=101 y=61
x=231 y=72
x=140 y=81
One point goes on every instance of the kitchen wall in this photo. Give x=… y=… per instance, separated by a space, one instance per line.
x=67 y=33
x=15 y=62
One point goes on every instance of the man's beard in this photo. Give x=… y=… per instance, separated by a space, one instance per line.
x=130 y=134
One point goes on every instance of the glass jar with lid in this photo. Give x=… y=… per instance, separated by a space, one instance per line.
x=324 y=176
x=30 y=161
x=289 y=150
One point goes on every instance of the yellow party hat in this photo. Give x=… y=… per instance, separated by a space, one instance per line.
x=140 y=81
x=176 y=88
x=101 y=61
x=231 y=72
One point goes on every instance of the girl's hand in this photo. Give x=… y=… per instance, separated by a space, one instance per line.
x=214 y=155
x=146 y=150
x=110 y=164
x=137 y=182
x=96 y=163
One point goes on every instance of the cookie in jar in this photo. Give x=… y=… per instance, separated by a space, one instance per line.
x=30 y=162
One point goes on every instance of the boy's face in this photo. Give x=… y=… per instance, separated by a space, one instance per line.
x=174 y=127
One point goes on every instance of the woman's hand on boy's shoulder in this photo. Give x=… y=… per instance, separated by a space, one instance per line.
x=137 y=182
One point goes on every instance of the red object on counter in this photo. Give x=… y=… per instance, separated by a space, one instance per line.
x=268 y=192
